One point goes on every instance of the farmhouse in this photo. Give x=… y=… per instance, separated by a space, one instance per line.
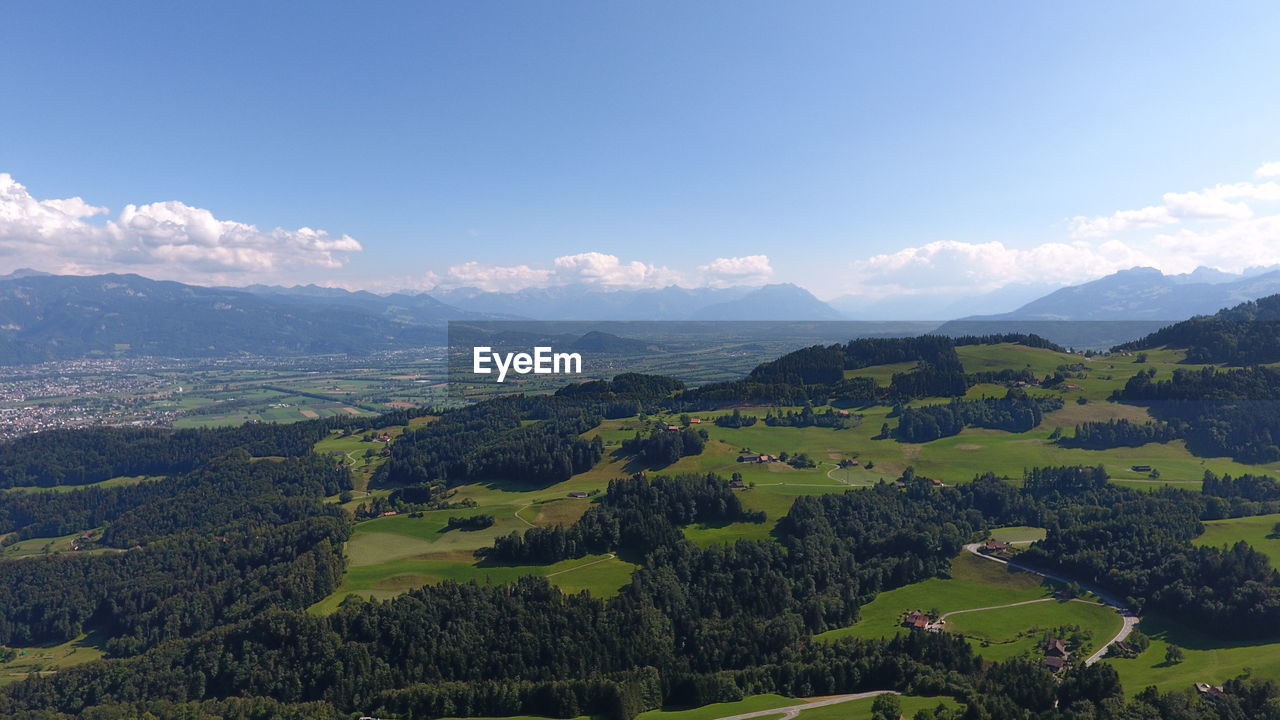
x=695 y=421
x=673 y=427
x=1140 y=468
x=577 y=494
x=736 y=484
x=1056 y=647
x=996 y=547
x=848 y=463
x=916 y=620
x=1213 y=691
x=748 y=458
x=1054 y=664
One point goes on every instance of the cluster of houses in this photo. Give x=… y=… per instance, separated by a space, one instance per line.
x=848 y=464
x=692 y=421
x=917 y=620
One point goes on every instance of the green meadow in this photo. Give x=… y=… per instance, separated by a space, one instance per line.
x=392 y=555
x=48 y=659
x=1014 y=631
x=851 y=710
x=1207 y=659
x=974 y=583
x=110 y=483
x=1259 y=531
x=861 y=709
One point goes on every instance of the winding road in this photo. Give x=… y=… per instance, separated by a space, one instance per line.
x=1127 y=616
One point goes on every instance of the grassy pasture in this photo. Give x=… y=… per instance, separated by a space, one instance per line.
x=1207 y=659
x=45 y=660
x=974 y=583
x=852 y=710
x=1018 y=535
x=861 y=709
x=109 y=483
x=1259 y=531
x=389 y=556
x=1013 y=631
x=754 y=703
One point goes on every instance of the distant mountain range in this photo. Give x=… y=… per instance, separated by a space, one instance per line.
x=580 y=302
x=46 y=317
x=1123 y=306
x=52 y=317
x=1144 y=293
x=55 y=317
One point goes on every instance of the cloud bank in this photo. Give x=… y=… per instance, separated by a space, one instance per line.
x=601 y=270
x=170 y=240
x=1230 y=227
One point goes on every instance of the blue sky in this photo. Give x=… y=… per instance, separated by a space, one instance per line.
x=871 y=148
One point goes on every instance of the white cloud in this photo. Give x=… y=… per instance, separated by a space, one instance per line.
x=1121 y=220
x=595 y=268
x=492 y=278
x=599 y=270
x=951 y=267
x=1267 y=170
x=747 y=270
x=165 y=240
x=1221 y=202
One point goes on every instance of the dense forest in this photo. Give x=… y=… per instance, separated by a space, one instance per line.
x=1120 y=433
x=1219 y=412
x=224 y=543
x=90 y=455
x=533 y=440
x=663 y=445
x=1015 y=412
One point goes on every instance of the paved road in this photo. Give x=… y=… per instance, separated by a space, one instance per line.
x=791 y=711
x=1128 y=618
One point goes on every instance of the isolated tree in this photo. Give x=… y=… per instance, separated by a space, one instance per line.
x=886 y=707
x=1174 y=655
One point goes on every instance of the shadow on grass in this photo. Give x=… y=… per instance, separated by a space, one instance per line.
x=1172 y=632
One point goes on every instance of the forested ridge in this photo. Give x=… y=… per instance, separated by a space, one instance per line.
x=1247 y=334
x=816 y=374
